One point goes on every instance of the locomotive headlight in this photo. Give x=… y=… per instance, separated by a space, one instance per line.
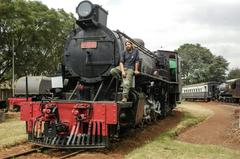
x=84 y=9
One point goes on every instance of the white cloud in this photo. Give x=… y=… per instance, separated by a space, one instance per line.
x=169 y=24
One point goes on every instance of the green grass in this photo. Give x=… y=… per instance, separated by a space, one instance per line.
x=12 y=132
x=165 y=147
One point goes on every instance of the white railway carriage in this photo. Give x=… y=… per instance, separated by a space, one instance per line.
x=201 y=91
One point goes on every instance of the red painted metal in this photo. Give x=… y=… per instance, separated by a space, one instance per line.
x=89 y=45
x=105 y=112
x=16 y=101
x=29 y=112
x=94 y=128
x=98 y=128
x=97 y=113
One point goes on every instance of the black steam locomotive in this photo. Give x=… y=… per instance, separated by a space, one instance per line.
x=86 y=110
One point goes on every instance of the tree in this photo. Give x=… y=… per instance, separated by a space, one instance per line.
x=200 y=65
x=38 y=33
x=217 y=69
x=234 y=73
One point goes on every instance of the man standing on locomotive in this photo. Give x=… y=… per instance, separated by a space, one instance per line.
x=129 y=65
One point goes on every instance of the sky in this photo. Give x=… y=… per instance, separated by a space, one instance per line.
x=161 y=24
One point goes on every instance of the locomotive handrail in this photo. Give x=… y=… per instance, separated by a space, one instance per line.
x=140 y=47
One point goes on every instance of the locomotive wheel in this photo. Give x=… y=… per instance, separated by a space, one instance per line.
x=141 y=125
x=154 y=116
x=163 y=112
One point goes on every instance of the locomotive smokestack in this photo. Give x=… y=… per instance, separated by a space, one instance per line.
x=91 y=15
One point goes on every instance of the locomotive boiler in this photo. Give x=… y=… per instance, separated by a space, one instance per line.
x=86 y=110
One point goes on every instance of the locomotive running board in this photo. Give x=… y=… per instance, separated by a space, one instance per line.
x=154 y=77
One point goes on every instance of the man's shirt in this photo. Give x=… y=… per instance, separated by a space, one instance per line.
x=129 y=58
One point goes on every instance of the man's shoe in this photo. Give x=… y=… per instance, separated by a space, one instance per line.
x=124 y=100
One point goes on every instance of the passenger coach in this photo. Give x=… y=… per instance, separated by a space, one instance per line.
x=200 y=91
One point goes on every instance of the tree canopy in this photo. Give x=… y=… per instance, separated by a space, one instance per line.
x=234 y=73
x=38 y=34
x=200 y=65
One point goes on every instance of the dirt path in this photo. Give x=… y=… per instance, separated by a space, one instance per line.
x=216 y=129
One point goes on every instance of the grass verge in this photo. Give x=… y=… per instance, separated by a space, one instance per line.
x=12 y=132
x=165 y=147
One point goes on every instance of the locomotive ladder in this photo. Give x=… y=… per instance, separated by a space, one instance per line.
x=140 y=47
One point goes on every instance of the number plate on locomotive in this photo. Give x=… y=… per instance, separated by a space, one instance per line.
x=89 y=45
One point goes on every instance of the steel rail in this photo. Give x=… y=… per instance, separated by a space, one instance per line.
x=72 y=154
x=24 y=153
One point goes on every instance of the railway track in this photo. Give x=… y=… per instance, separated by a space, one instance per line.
x=41 y=149
x=71 y=154
x=24 y=153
